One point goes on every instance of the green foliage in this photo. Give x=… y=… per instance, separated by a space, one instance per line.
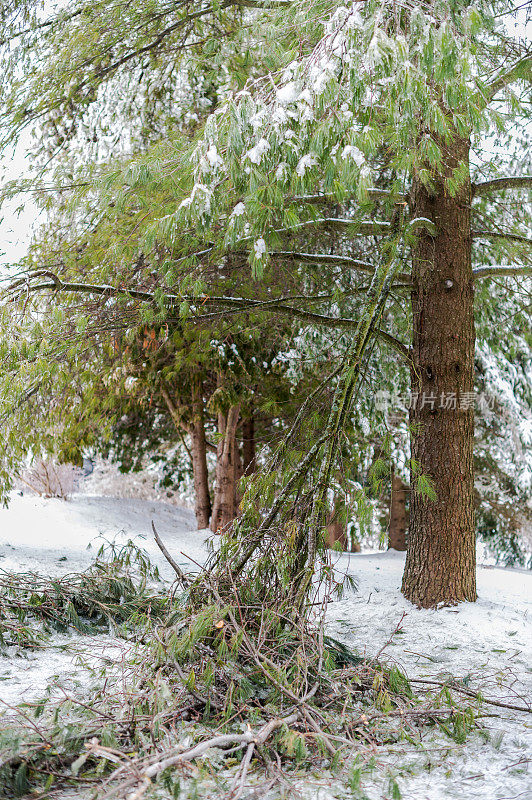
x=399 y=683
x=176 y=680
x=393 y=789
x=115 y=591
x=225 y=119
x=424 y=486
x=461 y=723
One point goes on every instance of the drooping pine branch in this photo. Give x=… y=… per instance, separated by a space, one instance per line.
x=377 y=296
x=224 y=303
x=322 y=454
x=350 y=226
x=521 y=70
x=509 y=237
x=372 y=193
x=500 y=184
x=340 y=260
x=502 y=270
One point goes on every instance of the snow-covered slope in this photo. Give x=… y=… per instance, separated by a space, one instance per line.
x=488 y=643
x=36 y=533
x=53 y=537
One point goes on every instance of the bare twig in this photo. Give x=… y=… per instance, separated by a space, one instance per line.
x=500 y=184
x=175 y=566
x=239 y=782
x=145 y=771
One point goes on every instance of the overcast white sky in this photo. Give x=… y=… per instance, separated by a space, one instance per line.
x=15 y=225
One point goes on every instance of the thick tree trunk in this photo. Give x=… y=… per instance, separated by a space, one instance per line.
x=199 y=456
x=398 y=516
x=440 y=563
x=223 y=512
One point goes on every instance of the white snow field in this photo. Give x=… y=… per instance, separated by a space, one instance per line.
x=487 y=643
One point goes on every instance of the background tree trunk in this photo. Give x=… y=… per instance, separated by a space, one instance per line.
x=440 y=563
x=398 y=516
x=198 y=452
x=224 y=493
x=238 y=467
x=248 y=444
x=337 y=531
x=199 y=456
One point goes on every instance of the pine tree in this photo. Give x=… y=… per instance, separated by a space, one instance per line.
x=362 y=136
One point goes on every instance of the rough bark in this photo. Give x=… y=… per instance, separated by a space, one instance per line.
x=198 y=452
x=440 y=563
x=199 y=456
x=223 y=512
x=398 y=522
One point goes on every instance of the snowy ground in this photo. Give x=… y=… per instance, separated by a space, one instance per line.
x=488 y=642
x=53 y=538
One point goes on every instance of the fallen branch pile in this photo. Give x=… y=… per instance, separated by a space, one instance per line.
x=119 y=588
x=230 y=689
